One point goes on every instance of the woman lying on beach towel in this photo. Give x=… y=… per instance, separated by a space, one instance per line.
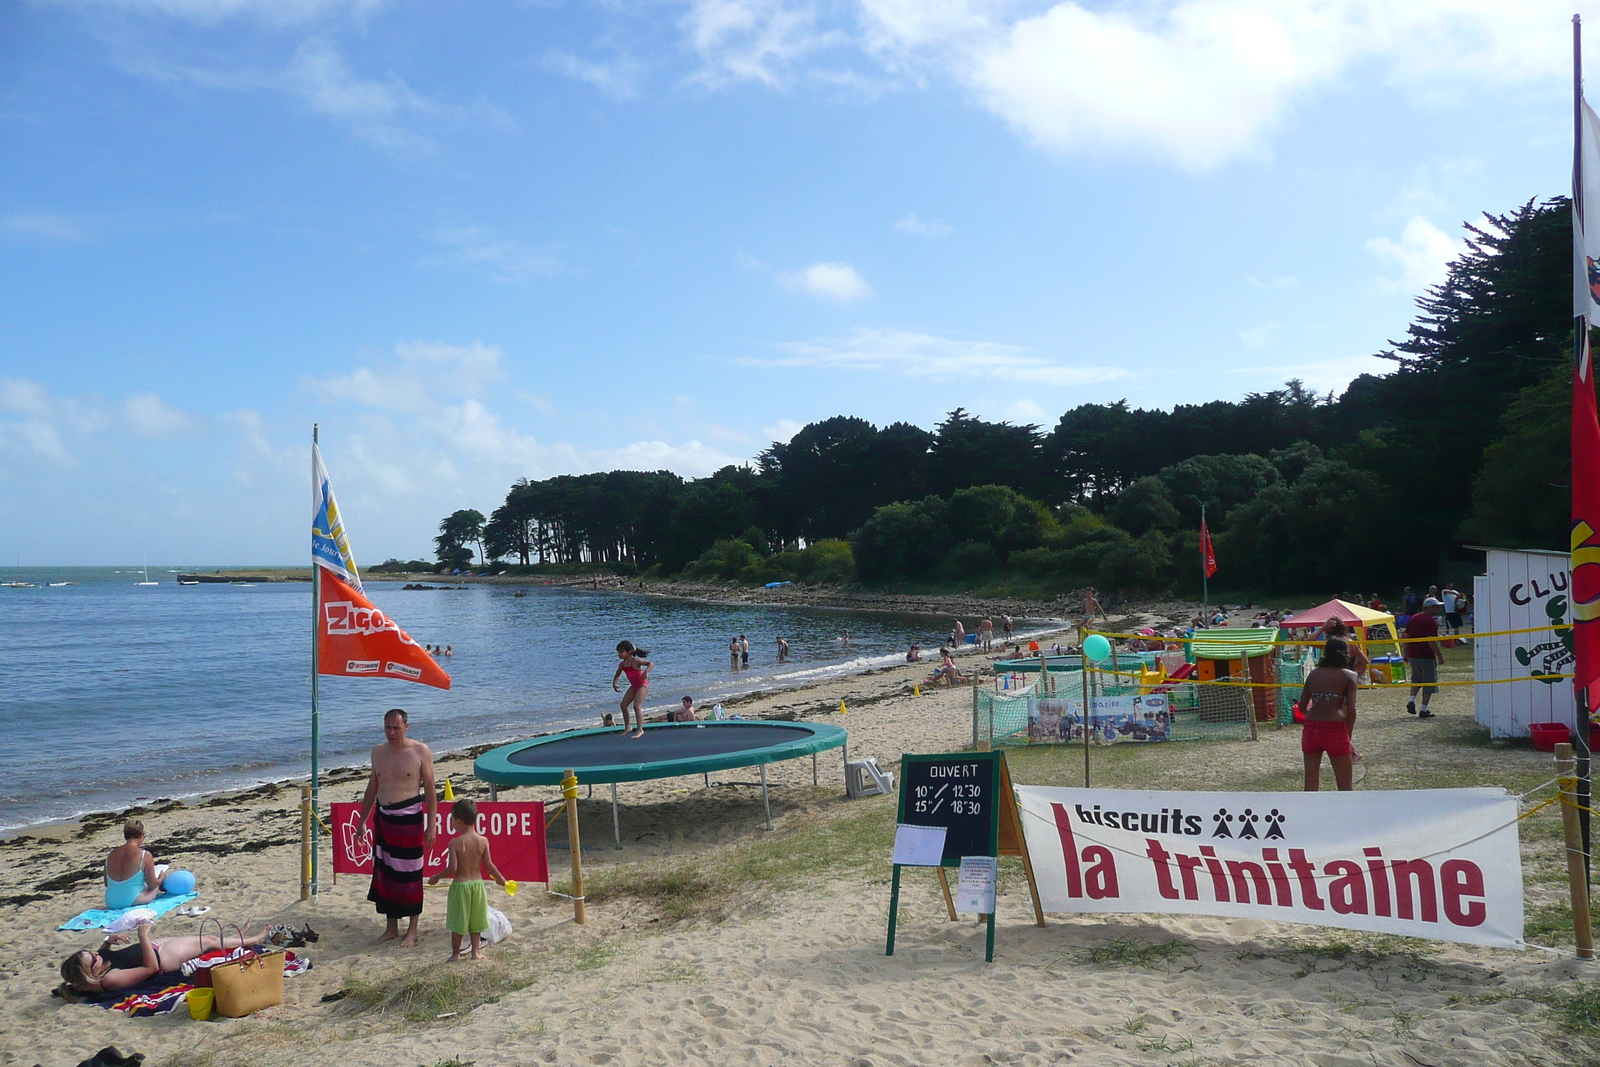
x=115 y=965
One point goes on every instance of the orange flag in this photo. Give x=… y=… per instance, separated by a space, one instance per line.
x=357 y=640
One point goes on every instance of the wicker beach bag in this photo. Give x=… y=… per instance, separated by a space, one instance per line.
x=248 y=984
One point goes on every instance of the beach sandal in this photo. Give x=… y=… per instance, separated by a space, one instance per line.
x=194 y=911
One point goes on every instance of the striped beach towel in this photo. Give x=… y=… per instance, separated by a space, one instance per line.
x=397 y=855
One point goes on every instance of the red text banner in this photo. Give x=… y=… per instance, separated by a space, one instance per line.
x=1435 y=863
x=515 y=830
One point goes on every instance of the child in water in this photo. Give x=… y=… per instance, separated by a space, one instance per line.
x=467 y=913
x=637 y=668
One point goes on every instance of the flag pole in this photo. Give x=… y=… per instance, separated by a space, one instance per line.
x=1580 y=345
x=316 y=739
x=1205 y=578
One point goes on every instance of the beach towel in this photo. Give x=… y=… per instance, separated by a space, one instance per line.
x=161 y=993
x=99 y=918
x=397 y=846
x=293 y=965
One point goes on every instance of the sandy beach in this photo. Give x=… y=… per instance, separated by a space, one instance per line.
x=712 y=941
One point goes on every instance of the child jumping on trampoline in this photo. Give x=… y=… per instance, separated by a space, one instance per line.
x=1328 y=700
x=637 y=668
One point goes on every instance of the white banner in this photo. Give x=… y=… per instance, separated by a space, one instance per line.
x=1441 y=864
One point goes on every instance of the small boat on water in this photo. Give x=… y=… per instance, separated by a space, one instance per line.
x=188 y=581
x=59 y=585
x=18 y=585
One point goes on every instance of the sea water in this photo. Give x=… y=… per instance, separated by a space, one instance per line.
x=114 y=693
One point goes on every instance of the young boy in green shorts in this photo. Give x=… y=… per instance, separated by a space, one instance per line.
x=468 y=910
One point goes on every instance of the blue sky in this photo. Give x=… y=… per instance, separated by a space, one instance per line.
x=483 y=240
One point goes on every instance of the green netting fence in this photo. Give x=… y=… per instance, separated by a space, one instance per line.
x=1197 y=713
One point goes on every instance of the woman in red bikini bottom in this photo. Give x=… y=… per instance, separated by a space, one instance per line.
x=1328 y=700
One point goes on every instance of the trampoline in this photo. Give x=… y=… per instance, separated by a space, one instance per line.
x=666 y=750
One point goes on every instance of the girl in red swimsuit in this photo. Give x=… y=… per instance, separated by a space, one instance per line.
x=1328 y=700
x=637 y=668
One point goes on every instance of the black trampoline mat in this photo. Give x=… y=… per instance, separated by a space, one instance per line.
x=658 y=745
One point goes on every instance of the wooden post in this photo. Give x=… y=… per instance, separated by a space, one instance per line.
x=305 y=842
x=1582 y=931
x=949 y=902
x=569 y=790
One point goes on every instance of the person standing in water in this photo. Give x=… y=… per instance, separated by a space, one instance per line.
x=783 y=650
x=632 y=662
x=744 y=651
x=733 y=654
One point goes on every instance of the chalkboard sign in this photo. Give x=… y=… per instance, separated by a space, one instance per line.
x=969 y=795
x=958 y=791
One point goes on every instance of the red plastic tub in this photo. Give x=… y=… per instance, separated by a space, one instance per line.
x=1547 y=735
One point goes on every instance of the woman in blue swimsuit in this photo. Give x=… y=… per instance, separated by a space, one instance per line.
x=131 y=871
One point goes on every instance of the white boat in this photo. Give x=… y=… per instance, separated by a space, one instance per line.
x=16 y=585
x=147 y=580
x=58 y=585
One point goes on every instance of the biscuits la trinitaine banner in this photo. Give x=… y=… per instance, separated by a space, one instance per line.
x=1440 y=864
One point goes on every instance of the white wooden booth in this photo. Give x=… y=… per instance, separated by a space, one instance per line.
x=1524 y=588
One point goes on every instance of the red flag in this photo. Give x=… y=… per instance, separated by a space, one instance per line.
x=1585 y=529
x=356 y=639
x=1208 y=555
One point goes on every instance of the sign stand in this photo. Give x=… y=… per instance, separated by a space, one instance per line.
x=969 y=798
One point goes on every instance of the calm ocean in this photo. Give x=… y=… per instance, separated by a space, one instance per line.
x=114 y=693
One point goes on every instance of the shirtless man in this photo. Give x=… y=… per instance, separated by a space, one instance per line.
x=783 y=650
x=401 y=799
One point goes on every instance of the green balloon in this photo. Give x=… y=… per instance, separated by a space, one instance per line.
x=1097 y=648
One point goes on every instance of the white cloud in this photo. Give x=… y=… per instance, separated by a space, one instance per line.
x=751 y=40
x=319 y=75
x=425 y=375
x=53 y=227
x=909 y=223
x=1422 y=255
x=782 y=430
x=501 y=258
x=36 y=421
x=1197 y=83
x=920 y=354
x=618 y=79
x=1258 y=336
x=147 y=415
x=831 y=281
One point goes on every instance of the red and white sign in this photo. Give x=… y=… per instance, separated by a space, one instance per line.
x=1433 y=863
x=356 y=639
x=515 y=830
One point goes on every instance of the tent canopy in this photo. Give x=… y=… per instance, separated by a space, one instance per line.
x=1346 y=612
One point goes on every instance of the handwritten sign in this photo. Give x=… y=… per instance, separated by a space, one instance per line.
x=515 y=830
x=959 y=792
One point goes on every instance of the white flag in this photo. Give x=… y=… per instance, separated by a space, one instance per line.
x=1586 y=229
x=330 y=547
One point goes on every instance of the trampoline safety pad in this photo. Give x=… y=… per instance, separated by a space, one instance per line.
x=666 y=750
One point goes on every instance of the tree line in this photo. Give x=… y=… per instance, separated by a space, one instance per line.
x=1463 y=442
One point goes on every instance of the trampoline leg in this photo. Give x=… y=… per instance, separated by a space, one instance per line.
x=616 y=823
x=813 y=769
x=766 y=804
x=494 y=793
x=707 y=775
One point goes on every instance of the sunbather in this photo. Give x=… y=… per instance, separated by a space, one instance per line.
x=131 y=876
x=118 y=964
